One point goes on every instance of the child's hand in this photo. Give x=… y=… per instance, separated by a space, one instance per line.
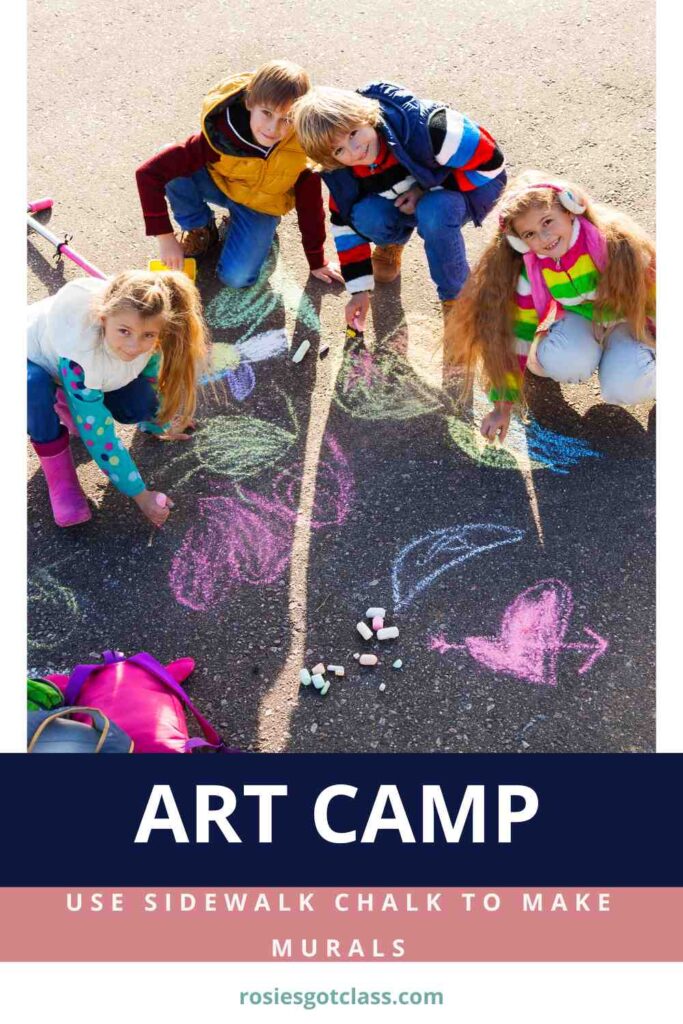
x=328 y=273
x=149 y=504
x=357 y=310
x=409 y=200
x=496 y=423
x=178 y=431
x=171 y=252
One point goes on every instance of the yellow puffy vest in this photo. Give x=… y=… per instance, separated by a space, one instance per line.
x=266 y=186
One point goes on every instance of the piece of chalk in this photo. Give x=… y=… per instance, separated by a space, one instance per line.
x=305 y=677
x=317 y=681
x=301 y=351
x=397 y=664
x=368 y=659
x=335 y=668
x=161 y=500
x=323 y=350
x=364 y=630
x=372 y=612
x=390 y=633
x=356 y=655
x=382 y=686
x=324 y=688
x=318 y=669
x=377 y=622
x=339 y=671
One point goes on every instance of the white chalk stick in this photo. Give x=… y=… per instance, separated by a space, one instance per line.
x=301 y=351
x=318 y=669
x=372 y=612
x=390 y=633
x=364 y=630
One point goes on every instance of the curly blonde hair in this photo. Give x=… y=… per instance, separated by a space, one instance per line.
x=478 y=333
x=325 y=113
x=170 y=295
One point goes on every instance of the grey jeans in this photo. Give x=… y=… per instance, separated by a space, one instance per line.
x=626 y=368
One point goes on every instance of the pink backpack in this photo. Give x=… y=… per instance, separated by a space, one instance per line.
x=144 y=698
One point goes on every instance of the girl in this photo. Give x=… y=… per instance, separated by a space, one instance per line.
x=128 y=348
x=565 y=287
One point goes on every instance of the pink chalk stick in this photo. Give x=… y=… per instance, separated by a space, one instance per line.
x=377 y=623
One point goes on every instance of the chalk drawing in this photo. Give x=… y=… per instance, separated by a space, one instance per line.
x=334 y=487
x=50 y=603
x=380 y=385
x=230 y=544
x=233 y=363
x=425 y=559
x=526 y=444
x=246 y=539
x=531 y=637
x=244 y=309
x=239 y=447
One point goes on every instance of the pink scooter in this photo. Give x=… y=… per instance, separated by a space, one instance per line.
x=61 y=245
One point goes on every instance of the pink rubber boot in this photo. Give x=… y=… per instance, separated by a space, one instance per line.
x=64 y=412
x=69 y=503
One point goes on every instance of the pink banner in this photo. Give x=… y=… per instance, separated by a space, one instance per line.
x=334 y=925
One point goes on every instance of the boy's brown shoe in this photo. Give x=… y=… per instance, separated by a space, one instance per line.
x=386 y=262
x=198 y=241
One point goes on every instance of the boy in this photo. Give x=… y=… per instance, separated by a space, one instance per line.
x=246 y=158
x=393 y=163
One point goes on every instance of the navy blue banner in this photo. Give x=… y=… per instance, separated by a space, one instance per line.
x=601 y=820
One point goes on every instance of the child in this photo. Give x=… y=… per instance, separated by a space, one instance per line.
x=579 y=279
x=128 y=348
x=393 y=163
x=246 y=158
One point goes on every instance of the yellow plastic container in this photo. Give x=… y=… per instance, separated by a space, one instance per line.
x=189 y=267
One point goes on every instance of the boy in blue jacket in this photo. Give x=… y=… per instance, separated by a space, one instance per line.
x=394 y=163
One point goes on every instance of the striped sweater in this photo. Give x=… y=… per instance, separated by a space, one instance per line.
x=457 y=143
x=572 y=282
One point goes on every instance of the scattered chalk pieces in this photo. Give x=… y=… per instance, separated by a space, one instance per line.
x=382 y=686
x=318 y=669
x=397 y=664
x=317 y=681
x=368 y=659
x=377 y=623
x=324 y=688
x=337 y=669
x=305 y=677
x=301 y=351
x=390 y=633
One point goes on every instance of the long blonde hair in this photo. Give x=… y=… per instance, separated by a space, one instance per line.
x=478 y=332
x=170 y=295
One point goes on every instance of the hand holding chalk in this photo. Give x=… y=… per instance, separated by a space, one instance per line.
x=357 y=310
x=154 y=505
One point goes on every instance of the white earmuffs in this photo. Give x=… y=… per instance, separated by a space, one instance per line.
x=566 y=197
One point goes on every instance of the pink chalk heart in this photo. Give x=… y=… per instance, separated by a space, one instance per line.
x=531 y=634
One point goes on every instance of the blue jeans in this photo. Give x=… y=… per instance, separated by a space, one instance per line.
x=439 y=217
x=134 y=403
x=250 y=234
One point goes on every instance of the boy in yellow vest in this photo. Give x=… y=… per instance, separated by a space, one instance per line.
x=246 y=158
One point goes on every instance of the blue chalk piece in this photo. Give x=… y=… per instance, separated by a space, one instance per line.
x=305 y=677
x=397 y=664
